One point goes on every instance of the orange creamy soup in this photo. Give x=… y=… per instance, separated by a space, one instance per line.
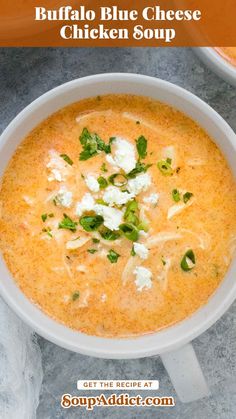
x=123 y=232
x=228 y=53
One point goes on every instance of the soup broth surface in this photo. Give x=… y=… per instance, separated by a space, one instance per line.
x=177 y=216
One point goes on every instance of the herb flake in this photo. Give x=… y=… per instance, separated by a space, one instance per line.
x=112 y=256
x=68 y=224
x=67 y=159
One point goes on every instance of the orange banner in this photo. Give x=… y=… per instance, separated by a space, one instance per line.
x=118 y=23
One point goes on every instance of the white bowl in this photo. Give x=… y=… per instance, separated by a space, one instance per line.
x=172 y=337
x=217 y=64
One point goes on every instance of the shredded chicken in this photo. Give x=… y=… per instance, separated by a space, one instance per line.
x=163 y=277
x=77 y=243
x=196 y=162
x=86 y=115
x=176 y=209
x=203 y=238
x=163 y=236
x=128 y=269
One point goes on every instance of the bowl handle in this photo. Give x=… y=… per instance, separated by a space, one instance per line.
x=185 y=373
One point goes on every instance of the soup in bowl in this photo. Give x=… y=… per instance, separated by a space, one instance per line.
x=113 y=233
x=117 y=216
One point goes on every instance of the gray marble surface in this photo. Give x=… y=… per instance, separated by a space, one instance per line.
x=24 y=75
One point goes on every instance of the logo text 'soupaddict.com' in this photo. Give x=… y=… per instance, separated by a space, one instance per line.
x=112 y=400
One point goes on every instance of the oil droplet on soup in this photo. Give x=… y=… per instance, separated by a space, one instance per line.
x=118 y=216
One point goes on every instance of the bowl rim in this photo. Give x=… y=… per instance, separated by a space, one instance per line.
x=217 y=62
x=168 y=339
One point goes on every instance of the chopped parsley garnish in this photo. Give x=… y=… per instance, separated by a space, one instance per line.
x=103 y=168
x=118 y=179
x=92 y=144
x=165 y=167
x=91 y=222
x=95 y=241
x=176 y=195
x=130 y=231
x=68 y=224
x=141 y=144
x=102 y=182
x=139 y=168
x=188 y=262
x=187 y=196
x=92 y=251
x=67 y=159
x=113 y=256
x=75 y=295
x=108 y=234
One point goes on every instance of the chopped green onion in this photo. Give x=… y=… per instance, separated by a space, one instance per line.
x=113 y=256
x=108 y=234
x=176 y=195
x=95 y=241
x=187 y=196
x=143 y=226
x=132 y=206
x=67 y=159
x=75 y=296
x=68 y=223
x=188 y=262
x=130 y=231
x=131 y=213
x=102 y=182
x=90 y=222
x=92 y=251
x=165 y=167
x=141 y=144
x=132 y=218
x=117 y=179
